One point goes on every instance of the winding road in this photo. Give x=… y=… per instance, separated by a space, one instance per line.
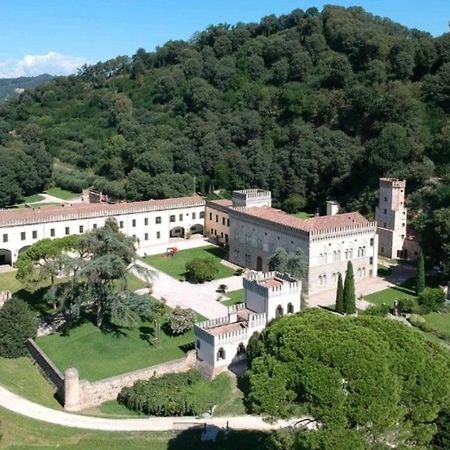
x=24 y=407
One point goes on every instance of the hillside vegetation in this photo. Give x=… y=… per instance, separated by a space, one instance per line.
x=317 y=104
x=8 y=86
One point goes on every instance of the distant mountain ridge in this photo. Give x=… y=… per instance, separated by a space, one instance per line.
x=9 y=86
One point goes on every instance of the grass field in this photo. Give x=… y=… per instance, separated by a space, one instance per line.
x=100 y=354
x=438 y=322
x=33 y=198
x=134 y=283
x=176 y=265
x=234 y=297
x=389 y=295
x=63 y=194
x=22 y=377
x=8 y=282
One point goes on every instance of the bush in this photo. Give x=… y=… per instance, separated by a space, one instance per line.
x=431 y=299
x=181 y=320
x=200 y=270
x=379 y=310
x=407 y=305
x=174 y=394
x=17 y=323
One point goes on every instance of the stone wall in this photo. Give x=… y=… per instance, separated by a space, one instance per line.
x=46 y=366
x=85 y=394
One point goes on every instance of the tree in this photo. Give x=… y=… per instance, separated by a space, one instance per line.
x=431 y=299
x=157 y=313
x=18 y=323
x=339 y=307
x=181 y=320
x=279 y=260
x=294 y=203
x=199 y=270
x=364 y=379
x=420 y=286
x=349 y=291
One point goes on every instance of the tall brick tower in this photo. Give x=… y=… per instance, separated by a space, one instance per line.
x=390 y=215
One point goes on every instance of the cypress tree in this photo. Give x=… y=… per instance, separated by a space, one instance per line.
x=420 y=286
x=349 y=291
x=339 y=307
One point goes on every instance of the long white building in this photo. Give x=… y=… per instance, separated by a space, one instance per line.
x=152 y=222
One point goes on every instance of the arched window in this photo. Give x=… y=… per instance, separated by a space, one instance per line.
x=350 y=253
x=324 y=278
x=363 y=251
x=279 y=311
x=359 y=273
x=363 y=271
x=220 y=354
x=290 y=308
x=241 y=349
x=320 y=280
x=333 y=277
x=346 y=254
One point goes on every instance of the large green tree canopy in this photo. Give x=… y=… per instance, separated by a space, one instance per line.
x=369 y=378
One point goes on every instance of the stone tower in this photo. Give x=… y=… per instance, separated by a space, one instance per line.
x=390 y=215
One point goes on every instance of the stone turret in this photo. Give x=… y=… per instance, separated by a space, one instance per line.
x=249 y=198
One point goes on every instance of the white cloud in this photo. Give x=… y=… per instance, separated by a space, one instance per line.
x=31 y=65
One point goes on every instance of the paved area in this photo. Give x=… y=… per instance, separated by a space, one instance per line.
x=195 y=241
x=26 y=408
x=202 y=298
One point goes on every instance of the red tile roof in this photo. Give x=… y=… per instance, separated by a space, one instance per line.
x=83 y=210
x=312 y=224
x=221 y=202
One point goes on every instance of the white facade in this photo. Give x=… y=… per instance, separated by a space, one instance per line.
x=391 y=215
x=223 y=341
x=151 y=222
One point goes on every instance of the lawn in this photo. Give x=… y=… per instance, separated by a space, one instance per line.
x=63 y=194
x=134 y=283
x=302 y=215
x=21 y=433
x=22 y=377
x=234 y=297
x=8 y=281
x=100 y=354
x=389 y=295
x=33 y=198
x=438 y=322
x=176 y=265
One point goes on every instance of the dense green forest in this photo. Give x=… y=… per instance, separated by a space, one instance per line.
x=8 y=86
x=317 y=104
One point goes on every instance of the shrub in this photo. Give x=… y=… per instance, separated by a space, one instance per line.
x=406 y=305
x=17 y=323
x=200 y=270
x=181 y=320
x=379 y=310
x=431 y=299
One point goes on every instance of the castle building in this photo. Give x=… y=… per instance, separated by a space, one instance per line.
x=151 y=222
x=254 y=230
x=390 y=215
x=223 y=341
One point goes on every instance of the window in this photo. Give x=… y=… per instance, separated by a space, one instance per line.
x=94 y=226
x=371 y=258
x=371 y=242
x=133 y=223
x=34 y=234
x=241 y=349
x=180 y=217
x=226 y=238
x=228 y=222
x=223 y=220
x=221 y=235
x=210 y=216
x=385 y=211
x=290 y=308
x=81 y=229
x=403 y=225
x=217 y=218
x=403 y=236
x=146 y=236
x=146 y=221
x=52 y=232
x=385 y=199
x=158 y=219
x=220 y=354
x=23 y=236
x=121 y=224
x=197 y=344
x=172 y=218
x=201 y=215
x=158 y=234
x=5 y=238
x=384 y=225
x=67 y=230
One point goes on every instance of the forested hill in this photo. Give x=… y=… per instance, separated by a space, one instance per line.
x=9 y=86
x=314 y=103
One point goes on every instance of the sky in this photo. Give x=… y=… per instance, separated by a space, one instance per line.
x=57 y=36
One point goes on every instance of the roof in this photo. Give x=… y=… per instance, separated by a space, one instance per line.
x=82 y=210
x=226 y=328
x=270 y=282
x=312 y=224
x=223 y=202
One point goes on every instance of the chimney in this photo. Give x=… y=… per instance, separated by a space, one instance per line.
x=332 y=208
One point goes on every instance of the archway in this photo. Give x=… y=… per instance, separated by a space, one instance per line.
x=177 y=232
x=196 y=229
x=279 y=311
x=259 y=264
x=5 y=257
x=241 y=349
x=220 y=354
x=290 y=308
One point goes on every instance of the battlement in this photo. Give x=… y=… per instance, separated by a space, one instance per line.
x=392 y=183
x=252 y=197
x=270 y=284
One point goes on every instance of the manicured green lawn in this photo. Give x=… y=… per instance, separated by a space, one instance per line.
x=8 y=282
x=22 y=377
x=438 y=322
x=389 y=295
x=234 y=297
x=134 y=283
x=302 y=215
x=63 y=193
x=33 y=198
x=99 y=354
x=176 y=265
